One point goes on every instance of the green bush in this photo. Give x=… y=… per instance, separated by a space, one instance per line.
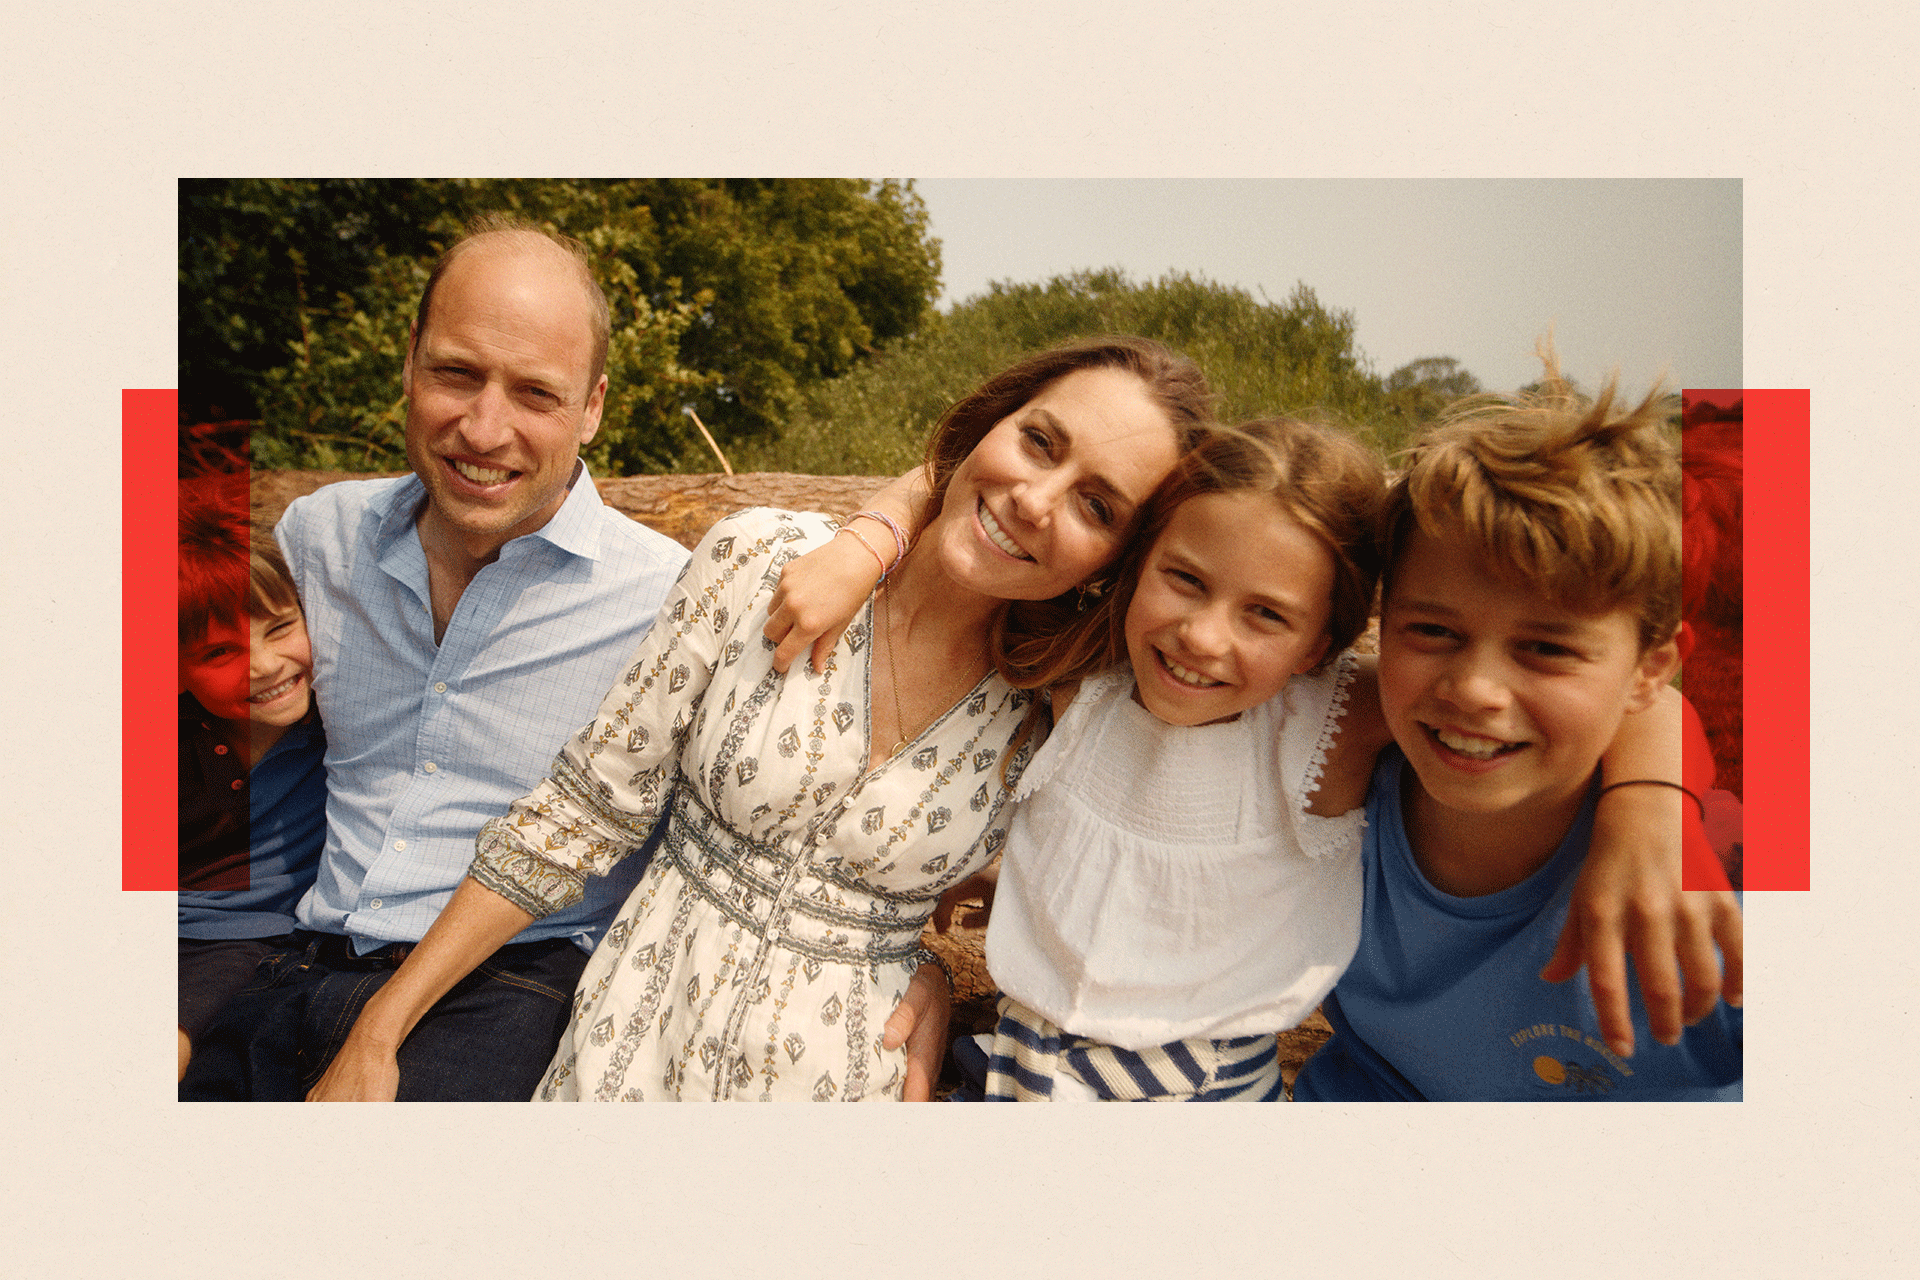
x=731 y=297
x=794 y=317
x=1296 y=357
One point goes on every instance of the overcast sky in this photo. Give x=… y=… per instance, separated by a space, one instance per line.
x=1642 y=274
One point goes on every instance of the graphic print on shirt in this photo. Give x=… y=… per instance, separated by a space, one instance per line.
x=1568 y=1059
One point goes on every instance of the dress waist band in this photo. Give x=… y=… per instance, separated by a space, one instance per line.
x=778 y=891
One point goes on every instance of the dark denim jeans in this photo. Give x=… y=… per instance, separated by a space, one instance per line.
x=487 y=1040
x=212 y=970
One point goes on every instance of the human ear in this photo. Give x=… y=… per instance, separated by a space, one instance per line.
x=406 y=365
x=1656 y=671
x=590 y=419
x=1313 y=655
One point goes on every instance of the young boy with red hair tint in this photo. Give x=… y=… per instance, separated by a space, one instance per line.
x=253 y=785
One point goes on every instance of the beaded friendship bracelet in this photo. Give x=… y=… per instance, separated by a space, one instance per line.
x=899 y=534
x=885 y=569
x=1660 y=782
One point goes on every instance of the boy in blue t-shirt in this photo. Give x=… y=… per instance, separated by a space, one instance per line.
x=253 y=786
x=1530 y=604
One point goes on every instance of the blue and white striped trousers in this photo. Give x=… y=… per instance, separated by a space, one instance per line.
x=1029 y=1053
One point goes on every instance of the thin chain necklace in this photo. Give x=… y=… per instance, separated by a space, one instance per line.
x=893 y=671
x=893 y=674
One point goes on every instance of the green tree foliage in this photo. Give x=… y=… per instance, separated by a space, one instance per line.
x=1296 y=357
x=259 y=255
x=733 y=298
x=1417 y=391
x=1431 y=382
x=1441 y=375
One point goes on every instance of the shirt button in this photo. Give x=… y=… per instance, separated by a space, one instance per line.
x=220 y=748
x=440 y=687
x=432 y=767
x=399 y=846
x=374 y=905
x=239 y=783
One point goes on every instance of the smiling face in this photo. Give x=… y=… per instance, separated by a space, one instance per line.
x=262 y=674
x=1049 y=495
x=500 y=392
x=1502 y=700
x=1232 y=602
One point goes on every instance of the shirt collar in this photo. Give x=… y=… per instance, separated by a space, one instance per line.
x=574 y=529
x=201 y=721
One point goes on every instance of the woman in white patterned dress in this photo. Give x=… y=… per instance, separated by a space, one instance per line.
x=814 y=818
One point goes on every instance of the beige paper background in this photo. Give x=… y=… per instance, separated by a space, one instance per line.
x=1813 y=1175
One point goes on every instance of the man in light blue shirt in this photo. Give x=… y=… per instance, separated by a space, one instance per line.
x=465 y=619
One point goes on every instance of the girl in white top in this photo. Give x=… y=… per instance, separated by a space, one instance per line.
x=1171 y=893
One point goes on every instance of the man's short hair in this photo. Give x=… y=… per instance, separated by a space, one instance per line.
x=510 y=224
x=1547 y=491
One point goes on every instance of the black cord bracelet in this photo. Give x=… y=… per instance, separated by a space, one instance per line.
x=1660 y=782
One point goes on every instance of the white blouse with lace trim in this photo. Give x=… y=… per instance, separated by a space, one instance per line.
x=1162 y=883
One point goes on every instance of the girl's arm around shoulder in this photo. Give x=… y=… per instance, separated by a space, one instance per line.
x=1629 y=899
x=1357 y=744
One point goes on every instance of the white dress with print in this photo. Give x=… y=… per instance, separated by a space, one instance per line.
x=762 y=953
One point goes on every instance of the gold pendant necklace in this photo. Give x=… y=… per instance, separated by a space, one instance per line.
x=893 y=674
x=893 y=669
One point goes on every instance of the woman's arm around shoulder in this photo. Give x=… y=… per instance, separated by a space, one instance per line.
x=610 y=781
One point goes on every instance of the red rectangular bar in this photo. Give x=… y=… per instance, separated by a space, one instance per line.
x=1778 y=693
x=149 y=641
x=1711 y=602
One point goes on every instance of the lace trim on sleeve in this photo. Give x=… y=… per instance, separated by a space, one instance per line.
x=1343 y=669
x=1319 y=834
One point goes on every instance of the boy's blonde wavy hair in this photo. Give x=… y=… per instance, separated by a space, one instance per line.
x=1579 y=500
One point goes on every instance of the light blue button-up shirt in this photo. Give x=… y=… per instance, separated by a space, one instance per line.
x=425 y=740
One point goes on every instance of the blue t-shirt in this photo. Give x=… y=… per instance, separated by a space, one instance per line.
x=259 y=832
x=1444 y=1002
